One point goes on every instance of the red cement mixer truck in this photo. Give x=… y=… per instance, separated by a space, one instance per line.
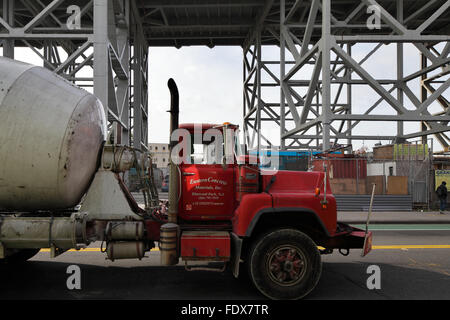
x=61 y=188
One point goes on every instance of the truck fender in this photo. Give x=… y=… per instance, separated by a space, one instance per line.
x=282 y=210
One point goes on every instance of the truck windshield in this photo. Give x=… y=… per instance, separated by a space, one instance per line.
x=217 y=149
x=205 y=153
x=239 y=149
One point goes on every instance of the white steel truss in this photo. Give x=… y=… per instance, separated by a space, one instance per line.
x=94 y=44
x=318 y=112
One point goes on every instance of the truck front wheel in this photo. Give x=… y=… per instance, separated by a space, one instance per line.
x=284 y=264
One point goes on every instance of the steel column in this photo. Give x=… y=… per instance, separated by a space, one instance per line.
x=326 y=51
x=89 y=45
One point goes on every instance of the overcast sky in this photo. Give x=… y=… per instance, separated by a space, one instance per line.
x=210 y=83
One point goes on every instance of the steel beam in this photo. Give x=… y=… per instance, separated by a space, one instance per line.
x=94 y=55
x=8 y=23
x=330 y=115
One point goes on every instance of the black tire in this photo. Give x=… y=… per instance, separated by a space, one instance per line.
x=284 y=264
x=19 y=256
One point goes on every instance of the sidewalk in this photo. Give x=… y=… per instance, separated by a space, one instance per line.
x=394 y=217
x=379 y=217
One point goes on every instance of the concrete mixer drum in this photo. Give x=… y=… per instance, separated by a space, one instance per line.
x=51 y=136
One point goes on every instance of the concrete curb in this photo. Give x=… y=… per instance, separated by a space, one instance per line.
x=393 y=222
x=414 y=217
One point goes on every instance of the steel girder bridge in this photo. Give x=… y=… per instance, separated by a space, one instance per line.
x=105 y=45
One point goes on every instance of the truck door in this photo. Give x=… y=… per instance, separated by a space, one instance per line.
x=207 y=192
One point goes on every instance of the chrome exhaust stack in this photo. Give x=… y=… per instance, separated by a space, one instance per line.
x=170 y=231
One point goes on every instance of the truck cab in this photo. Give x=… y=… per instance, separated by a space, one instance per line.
x=223 y=207
x=207 y=181
x=276 y=224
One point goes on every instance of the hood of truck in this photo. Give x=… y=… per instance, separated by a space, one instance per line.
x=297 y=189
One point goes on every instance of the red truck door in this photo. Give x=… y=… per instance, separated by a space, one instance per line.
x=207 y=192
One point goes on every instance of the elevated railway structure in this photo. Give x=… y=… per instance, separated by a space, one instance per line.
x=316 y=76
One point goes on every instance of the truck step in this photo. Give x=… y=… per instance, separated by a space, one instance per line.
x=205 y=246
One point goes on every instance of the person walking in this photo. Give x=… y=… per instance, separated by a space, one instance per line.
x=441 y=192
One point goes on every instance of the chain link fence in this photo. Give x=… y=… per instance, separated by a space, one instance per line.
x=356 y=176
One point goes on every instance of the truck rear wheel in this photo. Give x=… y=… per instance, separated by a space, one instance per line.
x=284 y=264
x=20 y=256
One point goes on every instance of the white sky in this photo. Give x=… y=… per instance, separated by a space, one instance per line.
x=210 y=84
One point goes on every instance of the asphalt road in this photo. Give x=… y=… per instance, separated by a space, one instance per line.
x=414 y=264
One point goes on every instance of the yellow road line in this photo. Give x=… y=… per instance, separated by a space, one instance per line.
x=383 y=247
x=412 y=246
x=86 y=250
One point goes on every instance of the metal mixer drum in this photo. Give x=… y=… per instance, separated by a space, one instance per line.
x=51 y=133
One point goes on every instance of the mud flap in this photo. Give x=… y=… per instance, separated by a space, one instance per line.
x=236 y=248
x=367 y=244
